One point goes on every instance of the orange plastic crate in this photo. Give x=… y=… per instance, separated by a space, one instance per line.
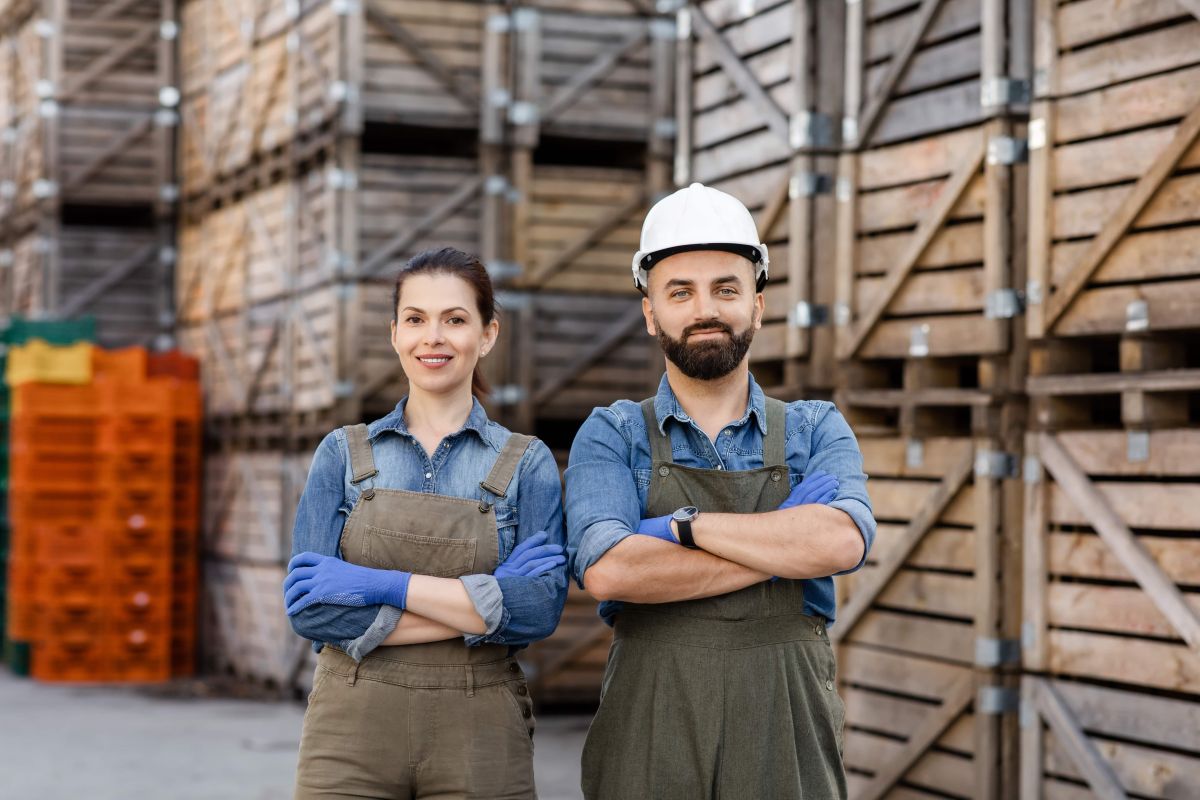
x=59 y=433
x=174 y=364
x=127 y=365
x=80 y=580
x=67 y=616
x=129 y=469
x=22 y=606
x=67 y=541
x=37 y=467
x=72 y=659
x=140 y=655
x=137 y=507
x=188 y=409
x=49 y=400
x=129 y=576
x=150 y=541
x=57 y=504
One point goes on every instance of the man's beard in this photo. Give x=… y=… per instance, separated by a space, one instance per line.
x=708 y=359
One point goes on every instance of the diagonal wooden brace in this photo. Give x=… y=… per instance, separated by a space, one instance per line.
x=592 y=74
x=432 y=63
x=1054 y=710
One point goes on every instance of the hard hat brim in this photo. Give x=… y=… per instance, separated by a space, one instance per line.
x=748 y=251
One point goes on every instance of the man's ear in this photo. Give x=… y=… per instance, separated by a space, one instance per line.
x=760 y=308
x=648 y=313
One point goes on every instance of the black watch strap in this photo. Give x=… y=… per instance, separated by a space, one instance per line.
x=685 y=534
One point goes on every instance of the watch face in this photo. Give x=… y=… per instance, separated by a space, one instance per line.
x=686 y=514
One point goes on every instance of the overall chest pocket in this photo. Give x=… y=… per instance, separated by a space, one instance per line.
x=439 y=557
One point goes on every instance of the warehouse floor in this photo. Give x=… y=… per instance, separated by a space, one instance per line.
x=105 y=743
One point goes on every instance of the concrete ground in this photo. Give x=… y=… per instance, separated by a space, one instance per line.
x=118 y=743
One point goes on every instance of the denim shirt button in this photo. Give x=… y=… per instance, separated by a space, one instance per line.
x=664 y=471
x=775 y=476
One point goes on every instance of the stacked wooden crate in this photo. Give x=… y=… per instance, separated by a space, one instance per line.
x=930 y=357
x=758 y=108
x=588 y=136
x=1112 y=633
x=87 y=120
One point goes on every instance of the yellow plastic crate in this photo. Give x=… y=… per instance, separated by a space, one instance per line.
x=37 y=361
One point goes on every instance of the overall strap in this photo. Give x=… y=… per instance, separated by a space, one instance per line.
x=774 y=442
x=501 y=476
x=660 y=443
x=362 y=461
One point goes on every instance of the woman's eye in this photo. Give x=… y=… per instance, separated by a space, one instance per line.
x=456 y=320
x=413 y=320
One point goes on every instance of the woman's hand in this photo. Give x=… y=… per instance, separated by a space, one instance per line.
x=313 y=578
x=532 y=558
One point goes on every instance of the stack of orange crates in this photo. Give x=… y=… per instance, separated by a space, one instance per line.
x=107 y=588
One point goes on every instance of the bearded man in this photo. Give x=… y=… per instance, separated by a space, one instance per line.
x=708 y=520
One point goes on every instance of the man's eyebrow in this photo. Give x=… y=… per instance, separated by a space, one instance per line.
x=679 y=282
x=728 y=279
x=459 y=309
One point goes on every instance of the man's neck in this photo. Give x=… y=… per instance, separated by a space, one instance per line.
x=712 y=404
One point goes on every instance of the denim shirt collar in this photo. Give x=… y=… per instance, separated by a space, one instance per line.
x=477 y=421
x=666 y=405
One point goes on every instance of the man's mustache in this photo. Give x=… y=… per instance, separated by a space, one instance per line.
x=707 y=327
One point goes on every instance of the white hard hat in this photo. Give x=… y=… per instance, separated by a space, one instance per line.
x=698 y=218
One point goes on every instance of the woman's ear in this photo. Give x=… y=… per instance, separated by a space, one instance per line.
x=491 y=332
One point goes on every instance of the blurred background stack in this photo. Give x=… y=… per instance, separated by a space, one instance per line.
x=87 y=129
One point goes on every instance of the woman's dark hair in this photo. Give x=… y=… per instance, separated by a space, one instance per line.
x=449 y=261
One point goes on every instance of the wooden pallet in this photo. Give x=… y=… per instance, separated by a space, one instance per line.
x=576 y=228
x=1115 y=144
x=1081 y=741
x=1111 y=557
x=925 y=632
x=589 y=75
x=257 y=93
x=758 y=126
x=80 y=108
x=568 y=668
x=246 y=632
x=115 y=274
x=250 y=503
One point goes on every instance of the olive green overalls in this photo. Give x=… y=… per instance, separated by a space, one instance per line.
x=425 y=720
x=725 y=697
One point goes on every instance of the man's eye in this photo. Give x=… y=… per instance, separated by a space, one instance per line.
x=679 y=293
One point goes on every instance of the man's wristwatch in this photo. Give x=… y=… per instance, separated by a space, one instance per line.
x=683 y=518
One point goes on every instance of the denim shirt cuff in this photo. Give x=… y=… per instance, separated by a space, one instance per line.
x=865 y=521
x=385 y=622
x=596 y=542
x=484 y=591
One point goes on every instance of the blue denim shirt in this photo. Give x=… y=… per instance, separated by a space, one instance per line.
x=517 y=610
x=608 y=477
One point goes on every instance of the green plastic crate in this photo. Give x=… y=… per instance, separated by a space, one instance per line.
x=16 y=656
x=66 y=331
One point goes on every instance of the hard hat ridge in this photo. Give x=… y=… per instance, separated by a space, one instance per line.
x=698 y=217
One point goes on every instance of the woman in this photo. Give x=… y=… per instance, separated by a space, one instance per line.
x=450 y=559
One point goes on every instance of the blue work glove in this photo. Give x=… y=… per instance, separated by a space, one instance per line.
x=313 y=578
x=658 y=527
x=819 y=487
x=532 y=558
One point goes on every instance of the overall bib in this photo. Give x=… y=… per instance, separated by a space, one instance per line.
x=725 y=697
x=437 y=720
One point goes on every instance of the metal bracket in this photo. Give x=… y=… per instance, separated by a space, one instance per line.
x=1031 y=471
x=810 y=129
x=43 y=188
x=292 y=7
x=48 y=109
x=995 y=464
x=1007 y=150
x=508 y=395
x=44 y=89
x=918 y=340
x=1003 y=304
x=168 y=30
x=808 y=315
x=166 y=118
x=168 y=192
x=663 y=30
x=997 y=700
x=1004 y=91
x=665 y=128
x=499 y=98
x=343 y=389
x=845 y=190
x=1137 y=446
x=167 y=255
x=44 y=28
x=499 y=23
x=1029 y=714
x=168 y=97
x=8 y=190
x=809 y=184
x=342 y=179
x=1028 y=635
x=502 y=270
x=914 y=453
x=6 y=258
x=512 y=301
x=347 y=290
x=683 y=24
x=841 y=314
x=523 y=112
x=1137 y=316
x=747 y=8
x=681 y=172
x=1037 y=133
x=343 y=7
x=496 y=184
x=996 y=652
x=849 y=129
x=336 y=260
x=1033 y=293
x=524 y=19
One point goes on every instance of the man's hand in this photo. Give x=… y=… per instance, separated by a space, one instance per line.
x=658 y=527
x=313 y=578
x=819 y=487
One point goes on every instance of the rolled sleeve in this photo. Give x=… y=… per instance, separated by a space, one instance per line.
x=385 y=622
x=601 y=501
x=518 y=611
x=835 y=450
